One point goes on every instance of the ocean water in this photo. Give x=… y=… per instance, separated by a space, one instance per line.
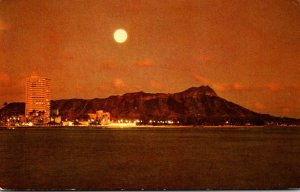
x=154 y=158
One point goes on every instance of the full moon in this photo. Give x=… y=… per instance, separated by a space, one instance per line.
x=120 y=35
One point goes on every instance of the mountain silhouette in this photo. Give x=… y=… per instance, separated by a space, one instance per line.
x=196 y=105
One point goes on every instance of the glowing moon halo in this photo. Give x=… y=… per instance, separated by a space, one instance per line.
x=120 y=35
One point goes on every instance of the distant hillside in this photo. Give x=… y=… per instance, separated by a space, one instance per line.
x=196 y=105
x=13 y=109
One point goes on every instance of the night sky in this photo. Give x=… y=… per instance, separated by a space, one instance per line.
x=248 y=51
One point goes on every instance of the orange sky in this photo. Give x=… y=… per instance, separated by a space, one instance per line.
x=247 y=50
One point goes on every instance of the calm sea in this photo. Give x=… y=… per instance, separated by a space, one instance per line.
x=154 y=158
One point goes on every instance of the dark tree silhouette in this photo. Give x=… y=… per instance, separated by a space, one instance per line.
x=4 y=104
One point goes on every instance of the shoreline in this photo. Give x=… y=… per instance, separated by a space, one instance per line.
x=153 y=126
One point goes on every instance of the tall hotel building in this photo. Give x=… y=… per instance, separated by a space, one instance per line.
x=38 y=97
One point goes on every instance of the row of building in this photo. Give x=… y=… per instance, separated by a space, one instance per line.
x=37 y=104
x=38 y=110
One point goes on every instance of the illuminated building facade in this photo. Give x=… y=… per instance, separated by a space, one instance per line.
x=37 y=107
x=102 y=117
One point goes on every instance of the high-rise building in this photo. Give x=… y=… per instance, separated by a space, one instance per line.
x=37 y=99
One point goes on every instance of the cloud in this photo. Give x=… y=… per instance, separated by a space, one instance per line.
x=296 y=2
x=102 y=88
x=3 y=26
x=215 y=85
x=119 y=84
x=286 y=110
x=156 y=85
x=220 y=87
x=4 y=78
x=240 y=87
x=144 y=63
x=70 y=56
x=294 y=86
x=138 y=87
x=273 y=86
x=259 y=106
x=237 y=86
x=201 y=79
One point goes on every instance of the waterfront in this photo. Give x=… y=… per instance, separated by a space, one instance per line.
x=150 y=158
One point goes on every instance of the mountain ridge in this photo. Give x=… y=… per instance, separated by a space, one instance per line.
x=195 y=105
